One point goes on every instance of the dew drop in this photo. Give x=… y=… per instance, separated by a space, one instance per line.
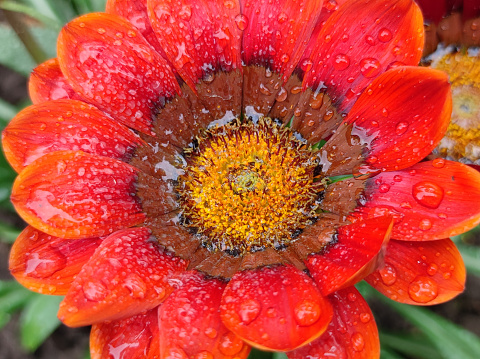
x=211 y=333
x=230 y=344
x=328 y=115
x=101 y=30
x=306 y=65
x=428 y=194
x=204 y=355
x=383 y=188
x=43 y=126
x=271 y=312
x=372 y=159
x=317 y=101
x=136 y=286
x=388 y=274
x=401 y=128
x=264 y=90
x=331 y=5
x=397 y=178
x=341 y=62
x=384 y=35
x=37 y=267
x=284 y=58
x=281 y=95
x=241 y=21
x=186 y=12
x=282 y=17
x=370 y=67
x=249 y=310
x=370 y=40
x=365 y=317
x=384 y=112
x=95 y=291
x=438 y=163
x=406 y=205
x=229 y=4
x=423 y=289
x=358 y=343
x=425 y=224
x=352 y=297
x=432 y=269
x=307 y=313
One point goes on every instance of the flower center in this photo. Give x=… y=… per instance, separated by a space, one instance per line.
x=248 y=186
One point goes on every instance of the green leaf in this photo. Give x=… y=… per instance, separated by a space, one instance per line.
x=451 y=340
x=12 y=52
x=60 y=10
x=279 y=356
x=4 y=319
x=7 y=111
x=416 y=345
x=8 y=234
x=471 y=258
x=32 y=12
x=13 y=297
x=386 y=353
x=38 y=320
x=258 y=354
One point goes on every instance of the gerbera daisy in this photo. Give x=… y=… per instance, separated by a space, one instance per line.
x=201 y=177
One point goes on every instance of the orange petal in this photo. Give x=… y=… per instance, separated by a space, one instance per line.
x=353 y=257
x=401 y=117
x=72 y=194
x=431 y=200
x=109 y=62
x=127 y=275
x=360 y=41
x=199 y=37
x=48 y=264
x=352 y=333
x=275 y=33
x=275 y=308
x=421 y=273
x=64 y=125
x=196 y=305
x=133 y=337
x=47 y=83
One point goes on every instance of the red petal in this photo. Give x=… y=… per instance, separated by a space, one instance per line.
x=64 y=125
x=190 y=322
x=402 y=116
x=127 y=275
x=276 y=32
x=48 y=264
x=275 y=308
x=353 y=257
x=133 y=337
x=108 y=61
x=199 y=37
x=431 y=200
x=48 y=83
x=360 y=41
x=352 y=333
x=72 y=194
x=422 y=273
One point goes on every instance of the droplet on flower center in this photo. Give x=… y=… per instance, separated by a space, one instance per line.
x=248 y=186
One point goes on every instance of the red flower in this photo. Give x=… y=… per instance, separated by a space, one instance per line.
x=220 y=176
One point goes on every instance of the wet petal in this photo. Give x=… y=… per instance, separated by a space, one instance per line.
x=352 y=333
x=190 y=322
x=276 y=32
x=352 y=257
x=399 y=118
x=133 y=337
x=275 y=308
x=127 y=275
x=48 y=264
x=380 y=34
x=47 y=82
x=76 y=195
x=421 y=273
x=64 y=125
x=430 y=200
x=199 y=37
x=108 y=61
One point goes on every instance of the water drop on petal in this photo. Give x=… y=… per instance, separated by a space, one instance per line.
x=388 y=274
x=428 y=194
x=307 y=313
x=249 y=310
x=423 y=289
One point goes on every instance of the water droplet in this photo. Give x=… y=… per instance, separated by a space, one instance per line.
x=331 y=5
x=317 y=101
x=397 y=178
x=281 y=95
x=271 y=312
x=230 y=344
x=384 y=35
x=401 y=128
x=428 y=194
x=370 y=40
x=425 y=224
x=358 y=343
x=282 y=17
x=211 y=333
x=383 y=188
x=442 y=215
x=432 y=269
x=370 y=67
x=101 y=30
x=371 y=159
x=186 y=12
x=249 y=310
x=37 y=267
x=352 y=297
x=328 y=115
x=341 y=62
x=43 y=126
x=388 y=274
x=438 y=163
x=384 y=112
x=423 y=289
x=296 y=89
x=241 y=21
x=61 y=166
x=204 y=355
x=229 y=4
x=307 y=313
x=365 y=317
x=284 y=58
x=306 y=65
x=406 y=205
x=95 y=291
x=264 y=90
x=135 y=285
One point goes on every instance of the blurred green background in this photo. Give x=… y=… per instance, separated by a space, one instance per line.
x=28 y=324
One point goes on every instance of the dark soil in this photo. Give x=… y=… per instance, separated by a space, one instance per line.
x=73 y=343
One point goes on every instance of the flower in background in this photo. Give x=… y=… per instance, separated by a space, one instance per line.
x=202 y=177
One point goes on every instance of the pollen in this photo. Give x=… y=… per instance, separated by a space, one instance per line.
x=249 y=186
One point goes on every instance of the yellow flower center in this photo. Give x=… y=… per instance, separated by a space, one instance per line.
x=249 y=186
